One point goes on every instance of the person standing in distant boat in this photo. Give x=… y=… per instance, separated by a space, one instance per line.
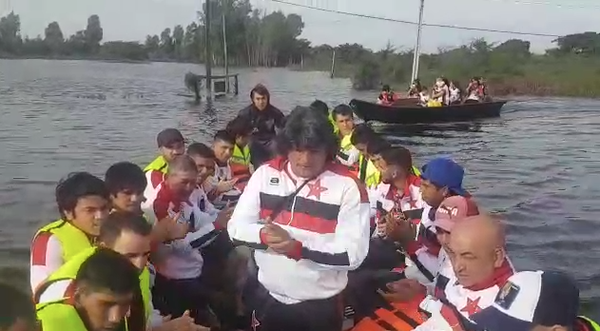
x=265 y=120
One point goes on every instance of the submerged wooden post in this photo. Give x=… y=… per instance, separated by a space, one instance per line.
x=236 y=86
x=208 y=51
x=225 y=54
x=332 y=65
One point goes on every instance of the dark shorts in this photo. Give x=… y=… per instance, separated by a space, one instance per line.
x=268 y=314
x=175 y=296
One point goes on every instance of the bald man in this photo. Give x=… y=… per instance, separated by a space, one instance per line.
x=476 y=248
x=179 y=264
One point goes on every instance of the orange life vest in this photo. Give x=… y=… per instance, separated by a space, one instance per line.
x=400 y=316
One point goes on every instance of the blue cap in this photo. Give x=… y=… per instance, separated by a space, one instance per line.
x=444 y=172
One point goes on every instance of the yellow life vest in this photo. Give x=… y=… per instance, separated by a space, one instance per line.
x=159 y=164
x=332 y=121
x=72 y=240
x=433 y=103
x=70 y=269
x=416 y=171
x=241 y=155
x=368 y=173
x=590 y=323
x=345 y=143
x=59 y=316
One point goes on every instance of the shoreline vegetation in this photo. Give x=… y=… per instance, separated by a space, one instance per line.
x=259 y=39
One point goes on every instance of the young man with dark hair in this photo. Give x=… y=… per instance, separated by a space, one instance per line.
x=83 y=202
x=129 y=235
x=265 y=119
x=221 y=187
x=362 y=138
x=204 y=157
x=126 y=183
x=240 y=164
x=17 y=311
x=343 y=119
x=308 y=219
x=104 y=289
x=241 y=130
x=170 y=144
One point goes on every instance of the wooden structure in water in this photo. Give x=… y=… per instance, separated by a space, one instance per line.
x=220 y=85
x=215 y=85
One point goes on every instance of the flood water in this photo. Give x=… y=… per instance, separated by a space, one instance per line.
x=538 y=165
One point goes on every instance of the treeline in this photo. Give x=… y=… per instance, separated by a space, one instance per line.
x=572 y=68
x=254 y=38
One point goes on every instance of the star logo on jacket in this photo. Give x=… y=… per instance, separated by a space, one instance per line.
x=472 y=306
x=255 y=323
x=315 y=189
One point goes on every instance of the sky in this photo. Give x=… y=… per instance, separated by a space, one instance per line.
x=134 y=19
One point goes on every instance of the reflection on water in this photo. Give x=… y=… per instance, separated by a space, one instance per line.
x=538 y=164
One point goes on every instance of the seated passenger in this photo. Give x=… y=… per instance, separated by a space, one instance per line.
x=170 y=144
x=129 y=235
x=415 y=89
x=18 y=311
x=343 y=117
x=105 y=288
x=362 y=136
x=455 y=93
x=179 y=264
x=536 y=301
x=83 y=204
x=387 y=96
x=240 y=164
x=399 y=190
x=221 y=186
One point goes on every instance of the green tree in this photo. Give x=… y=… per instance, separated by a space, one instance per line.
x=54 y=38
x=93 y=34
x=10 y=29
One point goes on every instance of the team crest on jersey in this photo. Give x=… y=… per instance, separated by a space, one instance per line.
x=274 y=181
x=507 y=295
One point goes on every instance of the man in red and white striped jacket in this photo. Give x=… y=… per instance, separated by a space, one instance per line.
x=308 y=219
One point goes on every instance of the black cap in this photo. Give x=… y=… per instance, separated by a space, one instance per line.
x=169 y=137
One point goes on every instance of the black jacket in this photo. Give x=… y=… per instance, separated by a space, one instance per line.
x=264 y=122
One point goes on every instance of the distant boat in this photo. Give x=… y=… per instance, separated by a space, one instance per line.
x=410 y=114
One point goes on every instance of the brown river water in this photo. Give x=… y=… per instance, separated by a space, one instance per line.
x=539 y=164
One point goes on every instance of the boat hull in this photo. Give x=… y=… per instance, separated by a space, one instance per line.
x=369 y=111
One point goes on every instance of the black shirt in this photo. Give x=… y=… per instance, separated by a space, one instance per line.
x=264 y=121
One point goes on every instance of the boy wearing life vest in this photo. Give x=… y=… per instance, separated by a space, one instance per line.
x=83 y=203
x=221 y=186
x=361 y=138
x=129 y=235
x=18 y=312
x=240 y=164
x=170 y=144
x=536 y=301
x=102 y=295
x=343 y=117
